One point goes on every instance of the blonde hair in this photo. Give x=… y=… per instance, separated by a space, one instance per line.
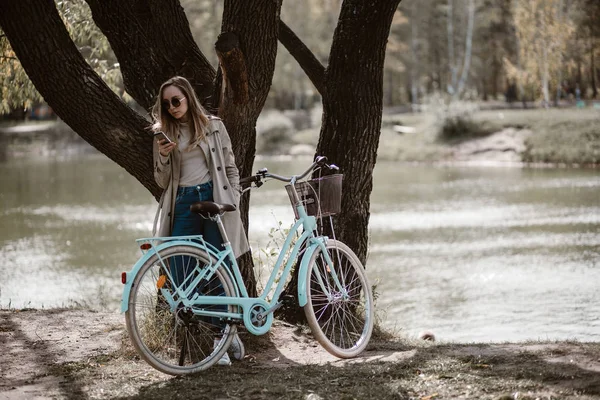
x=163 y=121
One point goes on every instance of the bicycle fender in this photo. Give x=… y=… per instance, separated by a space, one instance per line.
x=130 y=276
x=302 y=299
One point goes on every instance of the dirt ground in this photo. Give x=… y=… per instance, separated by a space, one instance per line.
x=80 y=354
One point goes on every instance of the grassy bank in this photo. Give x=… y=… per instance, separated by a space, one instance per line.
x=563 y=136
x=559 y=136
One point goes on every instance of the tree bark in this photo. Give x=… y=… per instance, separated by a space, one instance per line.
x=352 y=111
x=234 y=76
x=352 y=108
x=73 y=90
x=153 y=42
x=256 y=24
x=247 y=49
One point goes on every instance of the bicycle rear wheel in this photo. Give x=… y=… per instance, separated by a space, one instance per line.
x=176 y=341
x=340 y=317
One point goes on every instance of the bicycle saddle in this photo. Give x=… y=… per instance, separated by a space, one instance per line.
x=210 y=208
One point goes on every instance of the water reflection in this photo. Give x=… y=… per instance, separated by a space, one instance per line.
x=474 y=254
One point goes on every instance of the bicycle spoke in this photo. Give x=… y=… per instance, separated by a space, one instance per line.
x=170 y=336
x=340 y=316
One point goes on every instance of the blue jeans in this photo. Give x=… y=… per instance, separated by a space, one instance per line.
x=185 y=223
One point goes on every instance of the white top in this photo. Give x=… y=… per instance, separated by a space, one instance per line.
x=194 y=166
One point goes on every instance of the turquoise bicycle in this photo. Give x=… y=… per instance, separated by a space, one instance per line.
x=184 y=299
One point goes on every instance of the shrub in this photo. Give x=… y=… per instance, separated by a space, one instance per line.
x=274 y=131
x=453 y=118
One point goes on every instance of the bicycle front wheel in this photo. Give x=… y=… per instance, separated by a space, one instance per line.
x=341 y=315
x=172 y=338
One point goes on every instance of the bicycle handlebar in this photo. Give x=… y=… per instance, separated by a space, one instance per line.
x=320 y=161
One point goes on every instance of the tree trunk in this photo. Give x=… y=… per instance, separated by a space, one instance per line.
x=352 y=110
x=73 y=90
x=545 y=77
x=247 y=46
x=520 y=80
x=256 y=24
x=451 y=62
x=353 y=90
x=560 y=61
x=593 y=72
x=484 y=89
x=496 y=70
x=415 y=66
x=468 y=46
x=352 y=107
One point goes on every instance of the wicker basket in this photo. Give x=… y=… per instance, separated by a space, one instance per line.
x=321 y=196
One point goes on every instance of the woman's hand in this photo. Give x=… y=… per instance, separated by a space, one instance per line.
x=165 y=147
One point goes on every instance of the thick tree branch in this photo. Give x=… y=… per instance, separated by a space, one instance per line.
x=153 y=42
x=306 y=59
x=72 y=88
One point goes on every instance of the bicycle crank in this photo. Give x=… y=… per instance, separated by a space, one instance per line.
x=258 y=318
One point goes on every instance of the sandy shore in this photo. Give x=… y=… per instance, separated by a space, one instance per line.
x=75 y=354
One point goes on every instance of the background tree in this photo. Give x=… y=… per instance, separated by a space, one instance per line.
x=414 y=51
x=419 y=38
x=543 y=31
x=395 y=68
x=13 y=76
x=587 y=17
x=494 y=40
x=458 y=73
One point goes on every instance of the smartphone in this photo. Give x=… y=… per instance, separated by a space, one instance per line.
x=162 y=135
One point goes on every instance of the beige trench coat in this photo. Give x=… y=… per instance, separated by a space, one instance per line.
x=226 y=187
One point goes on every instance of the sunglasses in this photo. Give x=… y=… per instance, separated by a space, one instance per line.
x=175 y=102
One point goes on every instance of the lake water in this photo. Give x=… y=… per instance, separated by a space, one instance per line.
x=470 y=253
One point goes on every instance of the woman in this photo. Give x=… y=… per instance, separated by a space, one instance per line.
x=197 y=164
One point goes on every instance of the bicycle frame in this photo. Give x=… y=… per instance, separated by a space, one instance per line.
x=258 y=305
